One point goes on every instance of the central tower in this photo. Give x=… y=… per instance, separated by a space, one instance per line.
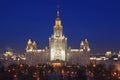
x=58 y=42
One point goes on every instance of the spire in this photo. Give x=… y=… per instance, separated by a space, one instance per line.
x=58 y=25
x=58 y=21
x=58 y=11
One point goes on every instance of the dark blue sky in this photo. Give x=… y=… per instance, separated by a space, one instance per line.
x=96 y=20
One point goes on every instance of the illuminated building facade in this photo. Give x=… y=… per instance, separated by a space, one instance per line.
x=57 y=50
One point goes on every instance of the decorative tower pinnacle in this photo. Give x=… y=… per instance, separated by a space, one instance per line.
x=34 y=45
x=58 y=21
x=29 y=44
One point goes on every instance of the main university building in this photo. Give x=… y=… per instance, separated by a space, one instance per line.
x=58 y=52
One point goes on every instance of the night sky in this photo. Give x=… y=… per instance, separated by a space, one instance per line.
x=96 y=20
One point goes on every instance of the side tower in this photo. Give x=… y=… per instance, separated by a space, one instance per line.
x=58 y=42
